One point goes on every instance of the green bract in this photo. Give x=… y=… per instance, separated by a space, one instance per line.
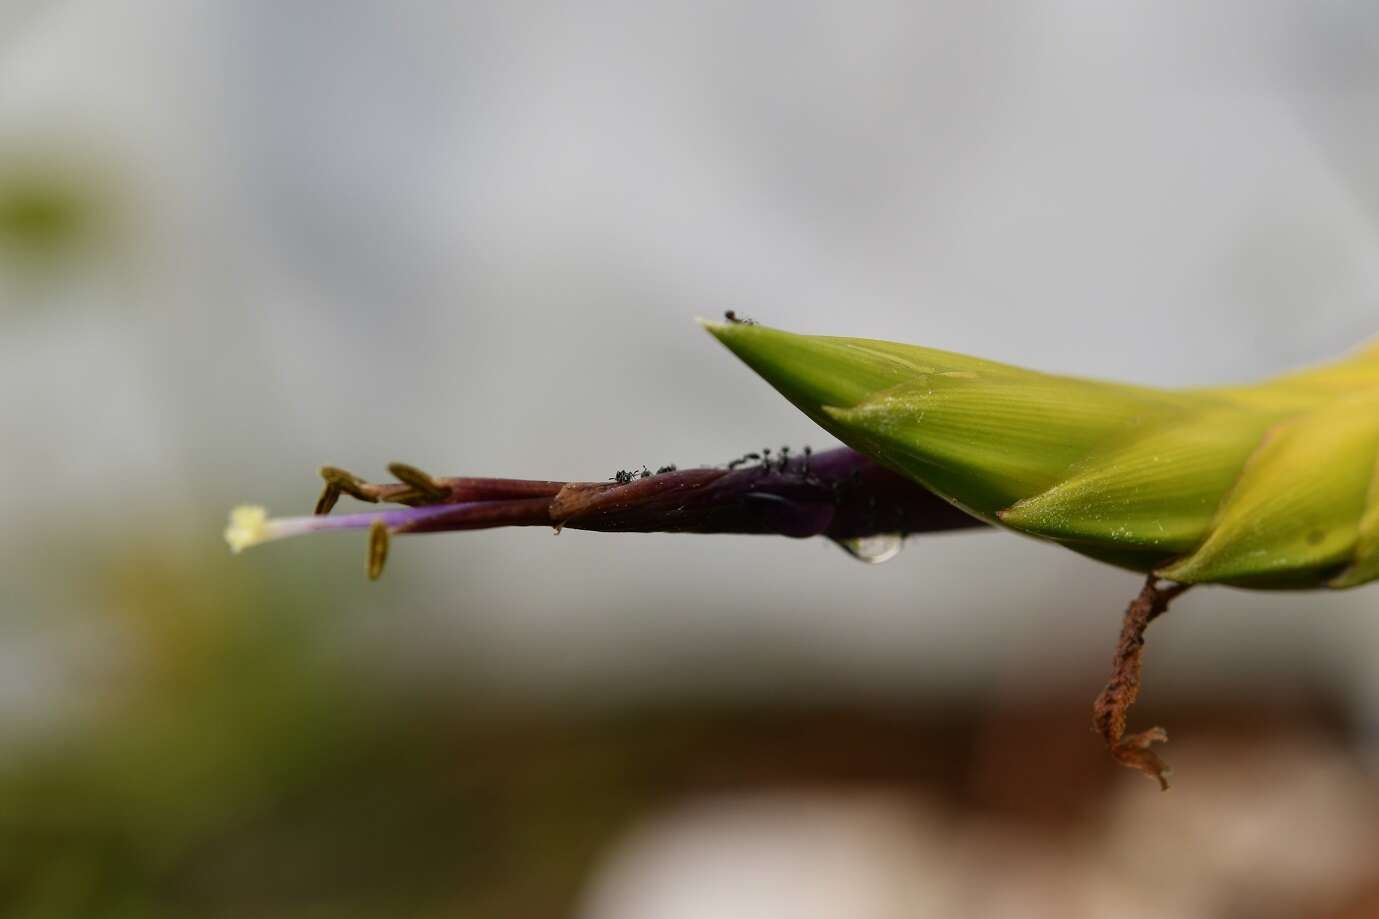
x=1269 y=486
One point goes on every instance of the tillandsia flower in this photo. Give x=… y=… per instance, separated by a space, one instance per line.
x=841 y=494
x=1270 y=486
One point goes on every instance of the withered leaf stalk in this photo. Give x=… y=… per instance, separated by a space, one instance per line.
x=1269 y=486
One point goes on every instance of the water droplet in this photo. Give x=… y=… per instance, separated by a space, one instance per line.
x=881 y=547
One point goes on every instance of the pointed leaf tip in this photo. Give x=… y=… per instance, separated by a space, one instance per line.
x=814 y=371
x=982 y=434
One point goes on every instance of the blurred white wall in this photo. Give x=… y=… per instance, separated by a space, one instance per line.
x=473 y=236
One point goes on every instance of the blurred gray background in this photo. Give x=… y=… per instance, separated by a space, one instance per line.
x=474 y=237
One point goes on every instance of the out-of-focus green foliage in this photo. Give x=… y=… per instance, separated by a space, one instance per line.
x=236 y=770
x=48 y=209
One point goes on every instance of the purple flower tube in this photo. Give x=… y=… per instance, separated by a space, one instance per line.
x=839 y=494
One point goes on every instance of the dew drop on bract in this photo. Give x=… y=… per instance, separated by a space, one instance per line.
x=881 y=547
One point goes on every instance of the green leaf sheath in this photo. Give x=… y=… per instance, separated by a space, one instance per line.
x=1271 y=486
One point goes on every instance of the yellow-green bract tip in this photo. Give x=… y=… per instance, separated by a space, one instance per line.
x=980 y=433
x=813 y=371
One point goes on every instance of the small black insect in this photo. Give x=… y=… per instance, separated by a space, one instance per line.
x=622 y=477
x=664 y=469
x=735 y=319
x=743 y=460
